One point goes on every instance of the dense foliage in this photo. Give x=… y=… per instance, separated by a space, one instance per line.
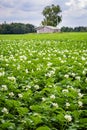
x=51 y=15
x=75 y=29
x=20 y=28
x=43 y=84
x=16 y=28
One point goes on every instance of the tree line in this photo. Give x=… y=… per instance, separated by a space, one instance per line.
x=75 y=29
x=16 y=28
x=20 y=28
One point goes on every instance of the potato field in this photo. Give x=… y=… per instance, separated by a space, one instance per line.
x=43 y=82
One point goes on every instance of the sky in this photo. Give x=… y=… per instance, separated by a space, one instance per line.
x=74 y=12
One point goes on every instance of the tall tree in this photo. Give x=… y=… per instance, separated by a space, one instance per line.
x=51 y=14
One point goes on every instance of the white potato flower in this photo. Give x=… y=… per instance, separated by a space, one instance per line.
x=27 y=87
x=86 y=80
x=36 y=86
x=5 y=110
x=12 y=78
x=84 y=72
x=49 y=64
x=67 y=104
x=4 y=88
x=11 y=94
x=43 y=99
x=66 y=76
x=20 y=95
x=80 y=95
x=7 y=64
x=29 y=62
x=55 y=105
x=83 y=58
x=68 y=117
x=52 y=96
x=2 y=73
x=77 y=77
x=73 y=74
x=78 y=90
x=18 y=67
x=26 y=71
x=62 y=61
x=80 y=103
x=23 y=57
x=65 y=90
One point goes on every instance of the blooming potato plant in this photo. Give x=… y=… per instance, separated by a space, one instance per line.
x=43 y=85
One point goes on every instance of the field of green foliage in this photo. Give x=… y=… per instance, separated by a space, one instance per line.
x=43 y=81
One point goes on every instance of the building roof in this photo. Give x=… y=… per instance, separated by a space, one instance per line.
x=51 y=27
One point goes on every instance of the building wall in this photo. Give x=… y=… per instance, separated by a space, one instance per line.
x=47 y=30
x=40 y=30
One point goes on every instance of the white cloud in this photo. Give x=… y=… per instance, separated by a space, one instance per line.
x=75 y=14
x=76 y=8
x=32 y=3
x=22 y=11
x=30 y=11
x=39 y=2
x=76 y=4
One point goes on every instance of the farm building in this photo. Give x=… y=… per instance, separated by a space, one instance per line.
x=47 y=29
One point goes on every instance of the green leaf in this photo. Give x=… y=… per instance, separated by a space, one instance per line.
x=43 y=128
x=36 y=120
x=22 y=110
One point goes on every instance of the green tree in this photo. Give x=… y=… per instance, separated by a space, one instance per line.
x=16 y=28
x=51 y=14
x=67 y=29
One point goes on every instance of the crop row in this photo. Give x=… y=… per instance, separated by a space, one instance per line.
x=43 y=85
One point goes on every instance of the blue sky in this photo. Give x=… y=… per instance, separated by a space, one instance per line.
x=74 y=12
